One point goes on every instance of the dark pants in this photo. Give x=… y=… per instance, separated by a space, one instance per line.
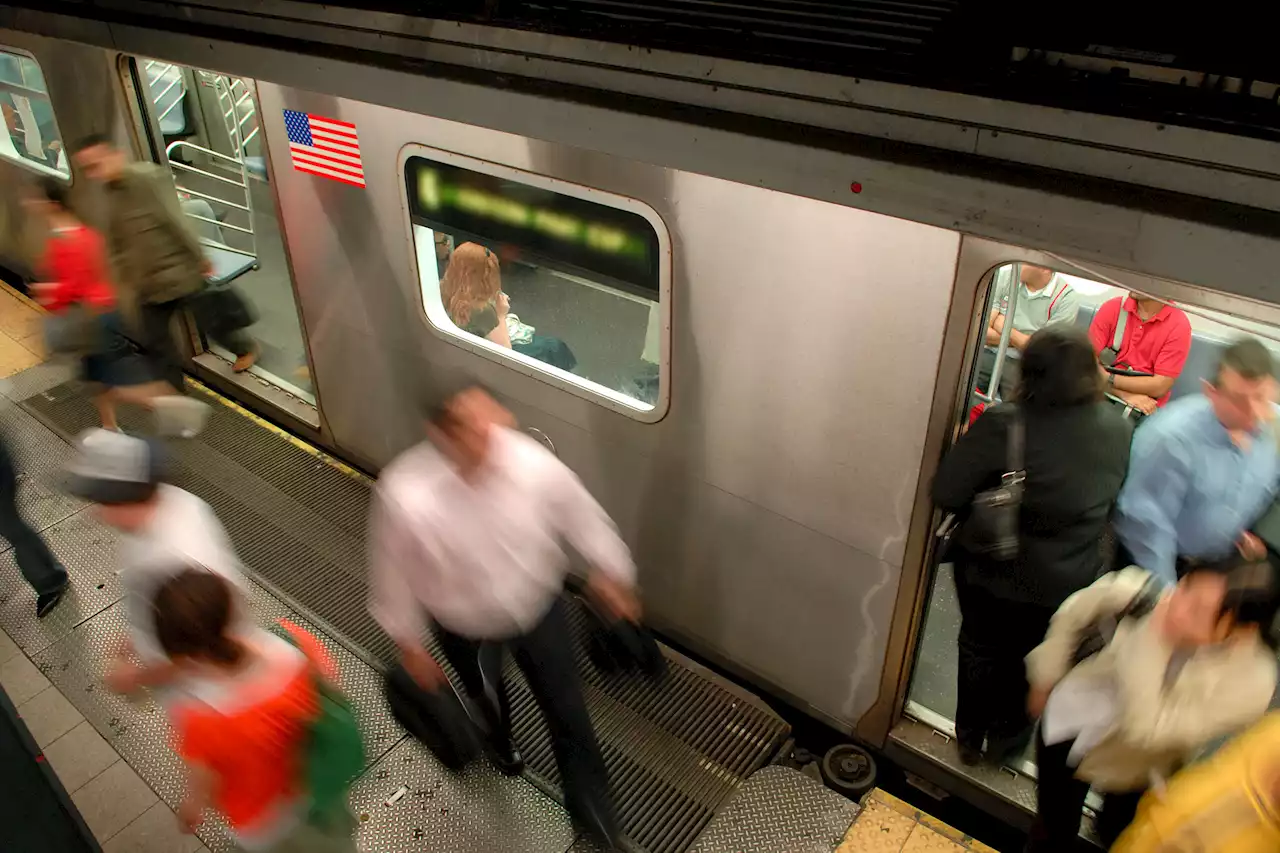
x=1060 y=799
x=36 y=562
x=545 y=656
x=548 y=350
x=162 y=349
x=995 y=637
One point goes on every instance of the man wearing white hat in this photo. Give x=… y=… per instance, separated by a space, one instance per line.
x=162 y=529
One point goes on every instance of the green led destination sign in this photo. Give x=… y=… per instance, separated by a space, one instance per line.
x=579 y=233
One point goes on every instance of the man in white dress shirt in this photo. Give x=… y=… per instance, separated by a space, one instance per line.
x=466 y=531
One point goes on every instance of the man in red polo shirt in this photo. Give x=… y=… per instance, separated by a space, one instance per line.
x=1156 y=339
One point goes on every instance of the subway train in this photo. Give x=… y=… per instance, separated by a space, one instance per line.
x=770 y=284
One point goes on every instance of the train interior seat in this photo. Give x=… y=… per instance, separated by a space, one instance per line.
x=256 y=166
x=1202 y=361
x=228 y=264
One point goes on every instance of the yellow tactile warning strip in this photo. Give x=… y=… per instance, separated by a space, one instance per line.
x=22 y=346
x=287 y=436
x=21 y=332
x=889 y=825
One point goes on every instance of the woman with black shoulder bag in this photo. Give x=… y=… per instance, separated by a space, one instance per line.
x=1031 y=484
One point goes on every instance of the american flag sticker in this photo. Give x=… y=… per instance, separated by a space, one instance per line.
x=325 y=147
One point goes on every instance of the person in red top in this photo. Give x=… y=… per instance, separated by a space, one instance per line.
x=241 y=713
x=75 y=262
x=1156 y=339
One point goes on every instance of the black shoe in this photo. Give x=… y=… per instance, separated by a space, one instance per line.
x=970 y=748
x=47 y=601
x=1003 y=749
x=507 y=758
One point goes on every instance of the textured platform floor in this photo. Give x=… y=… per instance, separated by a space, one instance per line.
x=675 y=750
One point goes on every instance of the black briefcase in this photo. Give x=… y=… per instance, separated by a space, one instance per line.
x=616 y=645
x=436 y=718
x=221 y=309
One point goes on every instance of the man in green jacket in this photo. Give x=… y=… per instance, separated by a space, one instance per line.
x=158 y=262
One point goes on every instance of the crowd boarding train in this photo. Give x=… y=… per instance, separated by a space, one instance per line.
x=746 y=302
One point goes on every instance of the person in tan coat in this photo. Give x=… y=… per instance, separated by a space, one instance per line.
x=1194 y=667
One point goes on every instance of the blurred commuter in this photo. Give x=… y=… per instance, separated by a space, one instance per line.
x=80 y=292
x=1144 y=335
x=242 y=722
x=1164 y=681
x=158 y=261
x=1229 y=803
x=38 y=565
x=160 y=528
x=1204 y=469
x=467 y=532
x=471 y=290
x=1075 y=451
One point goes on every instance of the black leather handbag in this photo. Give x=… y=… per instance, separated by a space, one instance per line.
x=991 y=529
x=436 y=718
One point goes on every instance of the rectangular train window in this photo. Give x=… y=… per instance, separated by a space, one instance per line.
x=30 y=132
x=566 y=283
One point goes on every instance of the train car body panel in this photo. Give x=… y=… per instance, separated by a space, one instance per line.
x=762 y=460
x=827 y=255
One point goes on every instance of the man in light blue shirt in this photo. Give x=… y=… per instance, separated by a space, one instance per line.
x=1204 y=469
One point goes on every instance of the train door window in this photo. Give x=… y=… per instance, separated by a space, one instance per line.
x=206 y=128
x=565 y=282
x=1190 y=338
x=31 y=135
x=167 y=83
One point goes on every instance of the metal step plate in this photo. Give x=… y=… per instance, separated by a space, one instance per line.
x=779 y=810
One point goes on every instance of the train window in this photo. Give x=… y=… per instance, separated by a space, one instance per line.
x=567 y=282
x=1167 y=347
x=167 y=84
x=30 y=132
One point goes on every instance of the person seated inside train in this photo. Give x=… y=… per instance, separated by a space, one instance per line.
x=1044 y=299
x=1204 y=470
x=1076 y=451
x=1144 y=335
x=1127 y=694
x=471 y=290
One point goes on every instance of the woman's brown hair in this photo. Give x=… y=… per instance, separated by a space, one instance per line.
x=471 y=280
x=193 y=612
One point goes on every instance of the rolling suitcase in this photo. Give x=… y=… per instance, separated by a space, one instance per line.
x=438 y=719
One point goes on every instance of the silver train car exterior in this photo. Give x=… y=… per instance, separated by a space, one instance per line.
x=815 y=296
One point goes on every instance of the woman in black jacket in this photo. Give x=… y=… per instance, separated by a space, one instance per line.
x=1075 y=458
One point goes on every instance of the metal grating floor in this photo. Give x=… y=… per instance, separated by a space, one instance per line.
x=676 y=751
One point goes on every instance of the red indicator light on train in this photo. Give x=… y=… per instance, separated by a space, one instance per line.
x=855 y=187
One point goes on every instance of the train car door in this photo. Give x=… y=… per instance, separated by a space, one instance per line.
x=923 y=740
x=204 y=126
